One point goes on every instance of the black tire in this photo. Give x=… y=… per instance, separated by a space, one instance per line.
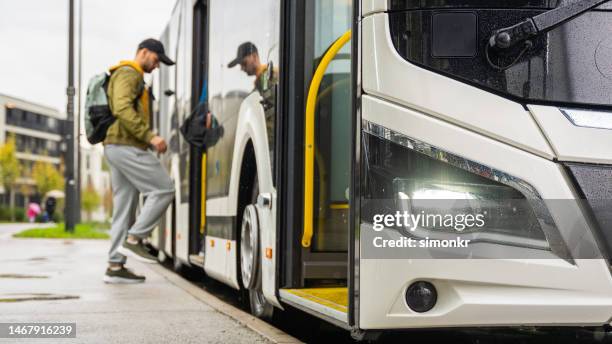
x=259 y=306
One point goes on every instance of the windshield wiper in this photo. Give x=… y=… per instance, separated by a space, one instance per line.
x=509 y=36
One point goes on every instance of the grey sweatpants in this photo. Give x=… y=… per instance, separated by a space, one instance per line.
x=135 y=171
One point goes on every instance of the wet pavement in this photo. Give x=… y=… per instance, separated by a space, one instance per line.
x=43 y=280
x=55 y=280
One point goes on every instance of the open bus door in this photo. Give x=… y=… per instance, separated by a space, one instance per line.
x=197 y=156
x=322 y=285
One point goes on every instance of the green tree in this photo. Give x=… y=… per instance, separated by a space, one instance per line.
x=90 y=201
x=107 y=202
x=10 y=170
x=47 y=177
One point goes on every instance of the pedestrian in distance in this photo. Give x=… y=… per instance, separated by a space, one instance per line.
x=134 y=169
x=50 y=203
x=33 y=211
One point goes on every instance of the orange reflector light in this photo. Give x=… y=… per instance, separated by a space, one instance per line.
x=269 y=252
x=212 y=243
x=228 y=245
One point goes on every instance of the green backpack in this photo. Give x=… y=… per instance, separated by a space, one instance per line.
x=98 y=115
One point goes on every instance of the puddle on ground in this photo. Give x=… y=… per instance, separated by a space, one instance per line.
x=36 y=259
x=22 y=276
x=33 y=259
x=21 y=297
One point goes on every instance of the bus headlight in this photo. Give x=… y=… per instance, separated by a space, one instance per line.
x=496 y=212
x=460 y=197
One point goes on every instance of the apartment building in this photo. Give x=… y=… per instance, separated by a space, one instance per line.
x=38 y=136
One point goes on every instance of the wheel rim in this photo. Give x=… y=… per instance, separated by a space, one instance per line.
x=248 y=246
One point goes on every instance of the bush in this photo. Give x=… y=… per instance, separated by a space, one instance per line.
x=20 y=214
x=5 y=214
x=58 y=217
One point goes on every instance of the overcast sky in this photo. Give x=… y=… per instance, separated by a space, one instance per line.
x=34 y=42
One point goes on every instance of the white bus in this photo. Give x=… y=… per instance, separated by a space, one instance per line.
x=359 y=109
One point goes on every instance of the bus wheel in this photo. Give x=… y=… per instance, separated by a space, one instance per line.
x=250 y=268
x=249 y=244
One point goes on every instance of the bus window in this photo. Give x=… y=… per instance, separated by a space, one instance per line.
x=234 y=74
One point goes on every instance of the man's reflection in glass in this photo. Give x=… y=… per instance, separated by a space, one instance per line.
x=266 y=79
x=248 y=58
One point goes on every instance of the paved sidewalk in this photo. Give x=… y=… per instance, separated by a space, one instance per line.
x=62 y=282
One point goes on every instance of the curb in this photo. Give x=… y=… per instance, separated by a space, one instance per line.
x=266 y=330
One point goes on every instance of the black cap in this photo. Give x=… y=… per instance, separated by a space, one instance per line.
x=245 y=49
x=158 y=48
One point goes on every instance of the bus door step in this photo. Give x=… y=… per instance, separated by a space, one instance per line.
x=332 y=302
x=197 y=259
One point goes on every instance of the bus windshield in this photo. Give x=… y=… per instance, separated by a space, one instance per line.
x=570 y=64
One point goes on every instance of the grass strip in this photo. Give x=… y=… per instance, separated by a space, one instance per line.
x=81 y=231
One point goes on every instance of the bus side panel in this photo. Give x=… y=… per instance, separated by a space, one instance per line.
x=220 y=217
x=373 y=6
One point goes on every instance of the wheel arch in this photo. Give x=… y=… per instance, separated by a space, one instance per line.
x=251 y=158
x=248 y=172
x=251 y=133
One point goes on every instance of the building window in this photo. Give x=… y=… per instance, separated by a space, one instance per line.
x=51 y=146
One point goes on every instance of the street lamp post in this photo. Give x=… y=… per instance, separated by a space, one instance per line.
x=70 y=207
x=78 y=117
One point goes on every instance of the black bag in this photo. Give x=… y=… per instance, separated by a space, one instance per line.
x=101 y=119
x=194 y=128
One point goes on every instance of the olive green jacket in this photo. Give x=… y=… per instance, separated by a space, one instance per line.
x=129 y=102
